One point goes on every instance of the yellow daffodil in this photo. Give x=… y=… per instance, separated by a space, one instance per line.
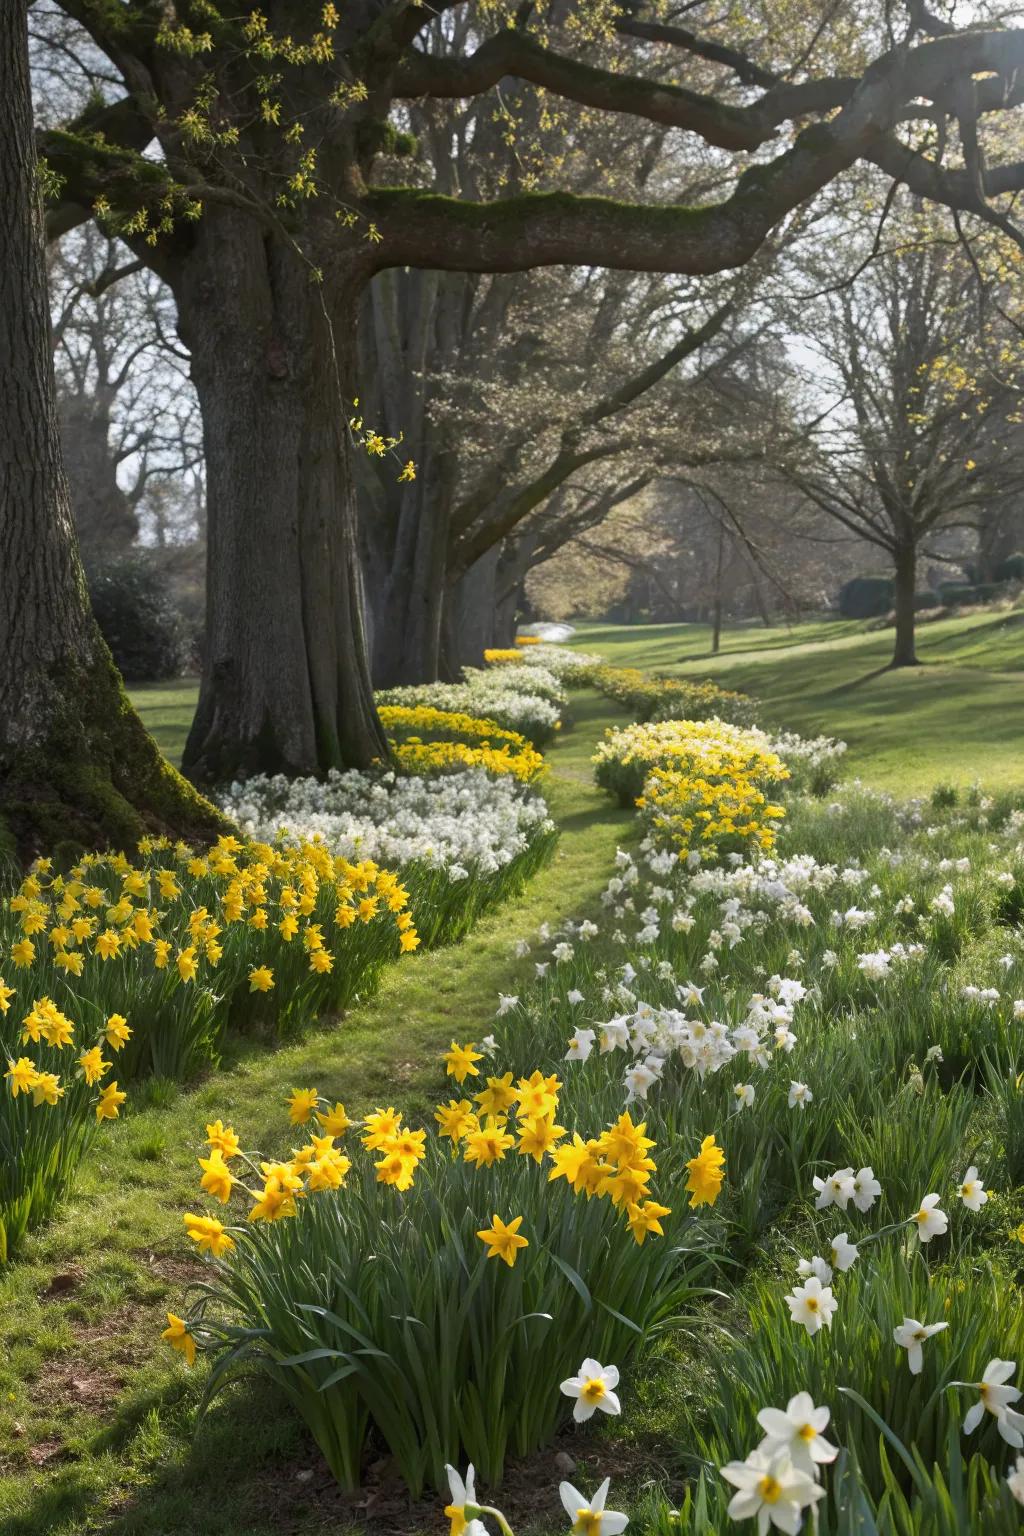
x=503 y=1241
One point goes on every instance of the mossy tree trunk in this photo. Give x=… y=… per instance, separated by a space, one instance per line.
x=76 y=764
x=286 y=682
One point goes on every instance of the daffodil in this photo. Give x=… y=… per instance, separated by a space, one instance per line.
x=995 y=1397
x=503 y=1241
x=799 y=1431
x=301 y=1105
x=593 y=1388
x=459 y=1061
x=589 y=1516
x=208 y=1234
x=178 y=1337
x=217 y=1178
x=706 y=1173
x=812 y=1305
x=911 y=1336
x=931 y=1222
x=771 y=1490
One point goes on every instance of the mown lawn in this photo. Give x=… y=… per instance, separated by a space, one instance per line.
x=956 y=718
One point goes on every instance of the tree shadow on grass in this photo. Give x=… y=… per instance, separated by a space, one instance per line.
x=866 y=677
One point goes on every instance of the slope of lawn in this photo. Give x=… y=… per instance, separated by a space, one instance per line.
x=956 y=718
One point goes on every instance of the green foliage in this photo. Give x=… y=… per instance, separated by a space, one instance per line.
x=1011 y=568
x=145 y=632
x=866 y=597
x=372 y=1307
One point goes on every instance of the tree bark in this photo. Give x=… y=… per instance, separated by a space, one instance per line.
x=470 y=615
x=286 y=683
x=905 y=561
x=716 y=621
x=77 y=767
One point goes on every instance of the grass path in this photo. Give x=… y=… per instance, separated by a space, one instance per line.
x=96 y=1415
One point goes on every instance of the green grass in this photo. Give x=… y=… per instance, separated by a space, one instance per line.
x=98 y=1428
x=956 y=718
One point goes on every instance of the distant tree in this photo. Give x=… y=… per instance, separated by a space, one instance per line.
x=129 y=418
x=920 y=435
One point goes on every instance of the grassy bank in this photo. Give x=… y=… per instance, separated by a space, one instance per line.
x=955 y=718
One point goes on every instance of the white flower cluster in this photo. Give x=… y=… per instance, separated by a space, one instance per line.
x=488 y=696
x=467 y=823
x=535 y=680
x=569 y=666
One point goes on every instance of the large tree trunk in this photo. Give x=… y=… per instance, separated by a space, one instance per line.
x=470 y=615
x=410 y=324
x=286 y=683
x=905 y=560
x=76 y=765
x=409 y=603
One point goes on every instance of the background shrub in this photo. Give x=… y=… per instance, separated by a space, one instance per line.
x=1011 y=569
x=144 y=630
x=866 y=597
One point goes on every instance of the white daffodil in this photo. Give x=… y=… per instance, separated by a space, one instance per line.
x=910 y=1335
x=574 y=996
x=638 y=1080
x=593 y=1388
x=843 y=1254
x=837 y=1189
x=866 y=1189
x=972 y=1190
x=744 y=1095
x=1015 y=1480
x=816 y=1267
x=800 y=1430
x=581 y=1043
x=931 y=1222
x=812 y=1305
x=506 y=1002
x=591 y=1518
x=799 y=1095
x=462 y=1493
x=995 y=1398
x=771 y=1490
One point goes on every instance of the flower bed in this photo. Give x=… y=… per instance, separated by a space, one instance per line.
x=649 y=697
x=850 y=1022
x=366 y=1285
x=462 y=841
x=533 y=712
x=152 y=961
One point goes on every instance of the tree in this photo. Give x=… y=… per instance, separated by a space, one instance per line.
x=264 y=218
x=917 y=441
x=76 y=764
x=128 y=418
